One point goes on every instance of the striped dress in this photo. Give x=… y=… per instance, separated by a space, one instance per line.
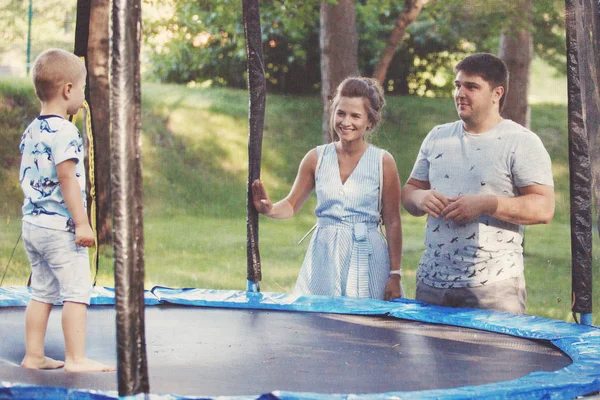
x=347 y=255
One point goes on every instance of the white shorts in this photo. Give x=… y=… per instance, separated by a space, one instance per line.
x=60 y=269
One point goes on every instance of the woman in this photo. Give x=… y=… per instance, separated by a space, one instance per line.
x=357 y=187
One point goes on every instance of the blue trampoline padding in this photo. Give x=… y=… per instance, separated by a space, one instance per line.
x=15 y=296
x=106 y=296
x=580 y=342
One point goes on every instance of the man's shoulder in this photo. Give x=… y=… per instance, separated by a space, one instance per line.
x=511 y=127
x=445 y=130
x=519 y=133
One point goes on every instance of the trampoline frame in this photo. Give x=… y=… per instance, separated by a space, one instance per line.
x=580 y=342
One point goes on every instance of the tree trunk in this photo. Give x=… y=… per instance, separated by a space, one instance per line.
x=516 y=51
x=339 y=51
x=412 y=9
x=99 y=98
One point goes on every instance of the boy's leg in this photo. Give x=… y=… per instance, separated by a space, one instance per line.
x=36 y=321
x=67 y=269
x=44 y=290
x=74 y=317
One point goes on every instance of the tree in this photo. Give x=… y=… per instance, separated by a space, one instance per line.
x=412 y=9
x=200 y=40
x=203 y=40
x=339 y=50
x=516 y=50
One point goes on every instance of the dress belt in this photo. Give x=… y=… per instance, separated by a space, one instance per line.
x=357 y=284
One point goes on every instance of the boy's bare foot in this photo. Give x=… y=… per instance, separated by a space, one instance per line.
x=41 y=363
x=88 y=365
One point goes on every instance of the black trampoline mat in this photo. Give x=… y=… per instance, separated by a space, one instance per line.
x=217 y=351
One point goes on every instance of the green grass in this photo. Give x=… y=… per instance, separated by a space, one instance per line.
x=195 y=171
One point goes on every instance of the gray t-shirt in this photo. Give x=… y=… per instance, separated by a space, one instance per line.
x=499 y=161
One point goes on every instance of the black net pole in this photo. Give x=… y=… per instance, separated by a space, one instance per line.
x=126 y=177
x=579 y=161
x=82 y=28
x=592 y=96
x=591 y=75
x=82 y=34
x=256 y=116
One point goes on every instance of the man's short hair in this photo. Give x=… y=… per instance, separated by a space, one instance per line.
x=52 y=69
x=489 y=67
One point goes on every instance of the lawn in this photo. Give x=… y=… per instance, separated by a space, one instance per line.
x=195 y=171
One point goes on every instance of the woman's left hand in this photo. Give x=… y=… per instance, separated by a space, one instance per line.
x=393 y=288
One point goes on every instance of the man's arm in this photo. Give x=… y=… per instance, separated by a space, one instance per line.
x=534 y=205
x=418 y=199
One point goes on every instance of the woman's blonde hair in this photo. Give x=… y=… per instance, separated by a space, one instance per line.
x=357 y=86
x=52 y=69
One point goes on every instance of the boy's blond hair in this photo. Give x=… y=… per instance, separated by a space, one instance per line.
x=52 y=69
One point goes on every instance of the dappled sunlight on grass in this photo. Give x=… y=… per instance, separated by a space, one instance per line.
x=212 y=252
x=548 y=269
x=560 y=173
x=217 y=134
x=546 y=84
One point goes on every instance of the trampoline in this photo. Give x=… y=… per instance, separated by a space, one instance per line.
x=240 y=344
x=247 y=344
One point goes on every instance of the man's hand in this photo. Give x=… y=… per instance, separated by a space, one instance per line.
x=430 y=202
x=468 y=207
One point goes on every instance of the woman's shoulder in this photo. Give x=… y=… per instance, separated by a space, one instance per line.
x=322 y=147
x=379 y=151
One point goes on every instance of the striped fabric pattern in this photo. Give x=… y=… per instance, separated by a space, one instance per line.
x=347 y=255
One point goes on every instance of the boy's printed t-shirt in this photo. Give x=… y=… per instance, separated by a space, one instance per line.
x=48 y=141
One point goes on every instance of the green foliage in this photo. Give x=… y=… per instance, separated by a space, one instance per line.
x=446 y=31
x=204 y=41
x=17 y=108
x=200 y=41
x=53 y=25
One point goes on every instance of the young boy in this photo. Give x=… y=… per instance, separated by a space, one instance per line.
x=56 y=231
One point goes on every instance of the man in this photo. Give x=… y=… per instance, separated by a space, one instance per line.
x=479 y=180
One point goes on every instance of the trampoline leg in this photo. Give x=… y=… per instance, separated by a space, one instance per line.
x=253 y=286
x=585 y=319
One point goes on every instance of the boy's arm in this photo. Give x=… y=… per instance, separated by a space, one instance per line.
x=71 y=191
